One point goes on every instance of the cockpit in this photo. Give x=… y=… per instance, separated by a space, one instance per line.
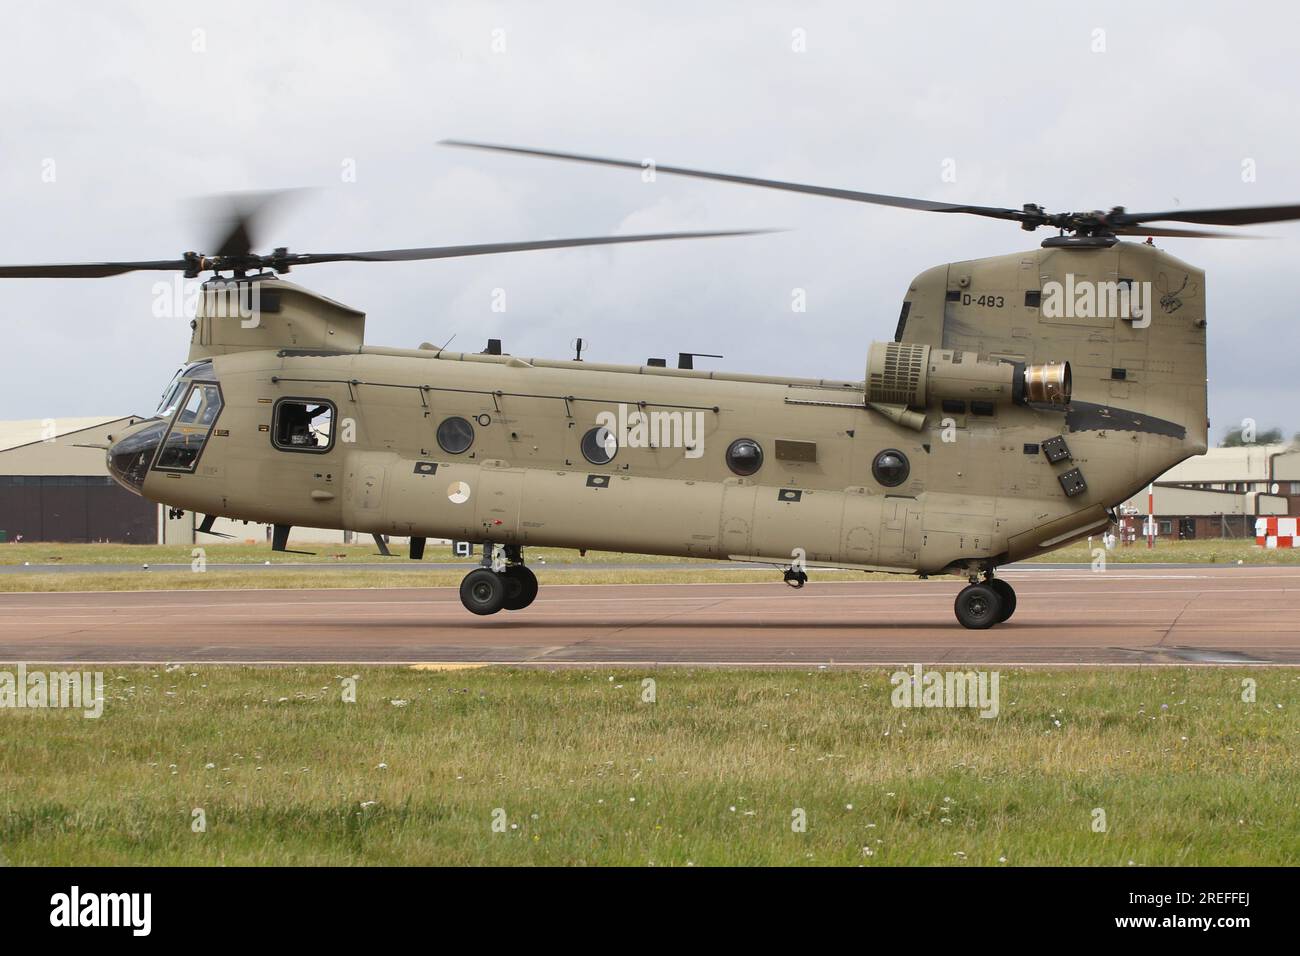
x=173 y=439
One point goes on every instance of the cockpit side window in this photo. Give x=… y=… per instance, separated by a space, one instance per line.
x=303 y=424
x=190 y=429
x=190 y=412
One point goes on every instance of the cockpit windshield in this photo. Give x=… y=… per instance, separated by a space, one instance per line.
x=176 y=387
x=167 y=400
x=175 y=437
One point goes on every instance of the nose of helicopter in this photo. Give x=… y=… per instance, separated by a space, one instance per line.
x=130 y=456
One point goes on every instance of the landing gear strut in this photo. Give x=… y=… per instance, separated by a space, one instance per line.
x=503 y=581
x=981 y=605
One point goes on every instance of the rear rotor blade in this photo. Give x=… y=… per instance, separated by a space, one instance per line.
x=1231 y=216
x=901 y=202
x=487 y=249
x=1143 y=230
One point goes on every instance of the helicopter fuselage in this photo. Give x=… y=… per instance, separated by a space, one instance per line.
x=954 y=453
x=978 y=489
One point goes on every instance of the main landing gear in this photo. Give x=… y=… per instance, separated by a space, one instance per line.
x=981 y=605
x=502 y=582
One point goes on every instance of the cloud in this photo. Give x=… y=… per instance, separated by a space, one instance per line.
x=140 y=112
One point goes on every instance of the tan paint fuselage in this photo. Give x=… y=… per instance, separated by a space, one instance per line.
x=975 y=495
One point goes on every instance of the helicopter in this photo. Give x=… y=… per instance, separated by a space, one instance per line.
x=1021 y=399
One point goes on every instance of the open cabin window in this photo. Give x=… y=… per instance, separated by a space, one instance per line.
x=190 y=428
x=303 y=424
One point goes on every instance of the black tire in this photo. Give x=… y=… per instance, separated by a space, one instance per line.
x=521 y=587
x=483 y=591
x=978 y=606
x=1008 y=595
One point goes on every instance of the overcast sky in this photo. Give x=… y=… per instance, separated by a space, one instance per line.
x=133 y=110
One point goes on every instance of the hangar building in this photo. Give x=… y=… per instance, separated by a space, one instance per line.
x=1221 y=493
x=53 y=487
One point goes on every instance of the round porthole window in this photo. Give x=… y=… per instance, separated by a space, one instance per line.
x=744 y=456
x=891 y=468
x=455 y=435
x=599 y=445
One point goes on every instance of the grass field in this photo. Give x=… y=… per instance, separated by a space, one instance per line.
x=1204 y=551
x=313 y=552
x=579 y=769
x=552 y=565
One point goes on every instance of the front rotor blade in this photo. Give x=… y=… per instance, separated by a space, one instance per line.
x=1232 y=216
x=901 y=202
x=455 y=252
x=238 y=216
x=89 y=270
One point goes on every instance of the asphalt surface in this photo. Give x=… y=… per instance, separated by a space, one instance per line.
x=1065 y=616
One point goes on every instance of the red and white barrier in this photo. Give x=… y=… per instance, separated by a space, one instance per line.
x=1277 y=532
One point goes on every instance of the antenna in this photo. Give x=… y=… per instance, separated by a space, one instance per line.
x=445 y=344
x=687 y=359
x=578 y=345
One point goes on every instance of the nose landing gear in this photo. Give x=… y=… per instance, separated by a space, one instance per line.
x=981 y=605
x=795 y=578
x=503 y=582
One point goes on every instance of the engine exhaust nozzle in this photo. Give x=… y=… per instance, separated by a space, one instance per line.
x=1048 y=384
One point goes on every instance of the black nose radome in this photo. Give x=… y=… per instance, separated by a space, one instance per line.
x=129 y=458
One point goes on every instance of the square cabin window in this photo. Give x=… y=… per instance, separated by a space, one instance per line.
x=303 y=424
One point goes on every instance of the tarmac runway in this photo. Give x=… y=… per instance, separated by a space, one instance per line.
x=1224 y=615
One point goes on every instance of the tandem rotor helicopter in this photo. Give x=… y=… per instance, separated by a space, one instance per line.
x=1022 y=398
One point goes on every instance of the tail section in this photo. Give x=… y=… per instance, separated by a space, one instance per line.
x=1128 y=317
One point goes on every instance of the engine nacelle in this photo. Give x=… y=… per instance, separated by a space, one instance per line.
x=917 y=376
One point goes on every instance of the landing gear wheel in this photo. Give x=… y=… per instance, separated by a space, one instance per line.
x=483 y=591
x=796 y=579
x=978 y=606
x=521 y=587
x=1008 y=595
